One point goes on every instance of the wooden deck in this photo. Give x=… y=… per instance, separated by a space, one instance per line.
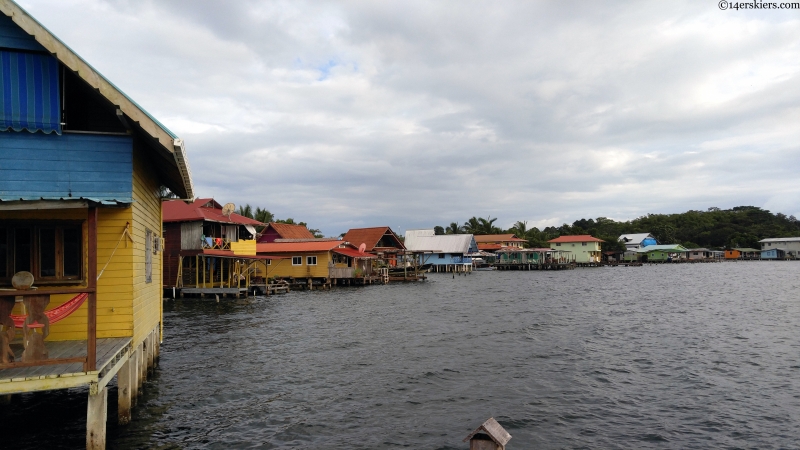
x=110 y=354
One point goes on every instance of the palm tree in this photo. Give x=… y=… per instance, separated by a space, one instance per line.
x=245 y=211
x=453 y=229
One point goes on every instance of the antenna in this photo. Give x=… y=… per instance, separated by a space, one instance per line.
x=228 y=209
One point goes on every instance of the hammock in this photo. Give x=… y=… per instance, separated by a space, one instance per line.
x=57 y=313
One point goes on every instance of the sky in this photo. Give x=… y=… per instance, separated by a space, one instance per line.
x=416 y=113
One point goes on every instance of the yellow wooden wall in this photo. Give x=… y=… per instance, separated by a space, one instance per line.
x=146 y=210
x=284 y=267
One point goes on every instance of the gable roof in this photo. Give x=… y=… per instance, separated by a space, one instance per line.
x=289 y=230
x=290 y=247
x=490 y=238
x=370 y=237
x=206 y=209
x=576 y=238
x=169 y=146
x=422 y=241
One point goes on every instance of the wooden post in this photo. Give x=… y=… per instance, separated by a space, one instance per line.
x=96 y=414
x=139 y=375
x=91 y=318
x=124 y=387
x=133 y=366
x=151 y=351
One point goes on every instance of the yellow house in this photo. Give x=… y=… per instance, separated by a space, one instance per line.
x=585 y=248
x=81 y=175
x=310 y=259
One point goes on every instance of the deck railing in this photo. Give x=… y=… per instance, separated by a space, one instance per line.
x=89 y=361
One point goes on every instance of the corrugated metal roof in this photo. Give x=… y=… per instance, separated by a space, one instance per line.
x=180 y=211
x=288 y=247
x=353 y=253
x=445 y=243
x=786 y=239
x=484 y=238
x=369 y=237
x=289 y=231
x=635 y=237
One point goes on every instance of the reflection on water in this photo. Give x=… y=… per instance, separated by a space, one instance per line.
x=701 y=355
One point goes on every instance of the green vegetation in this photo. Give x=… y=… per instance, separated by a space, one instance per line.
x=742 y=226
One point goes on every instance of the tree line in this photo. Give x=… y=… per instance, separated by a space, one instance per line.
x=741 y=226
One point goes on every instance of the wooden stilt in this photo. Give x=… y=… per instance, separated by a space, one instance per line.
x=96 y=414
x=133 y=364
x=124 y=387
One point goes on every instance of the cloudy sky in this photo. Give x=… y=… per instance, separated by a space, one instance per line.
x=414 y=114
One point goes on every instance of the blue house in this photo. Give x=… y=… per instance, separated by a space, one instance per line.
x=774 y=253
x=444 y=253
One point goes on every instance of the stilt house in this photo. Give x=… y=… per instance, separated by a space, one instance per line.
x=81 y=169
x=276 y=230
x=191 y=228
x=379 y=241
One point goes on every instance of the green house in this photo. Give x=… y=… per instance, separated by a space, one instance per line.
x=661 y=253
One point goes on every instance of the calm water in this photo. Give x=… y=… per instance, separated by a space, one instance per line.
x=680 y=356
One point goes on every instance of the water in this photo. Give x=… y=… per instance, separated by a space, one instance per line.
x=675 y=356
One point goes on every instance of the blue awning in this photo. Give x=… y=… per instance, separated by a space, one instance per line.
x=29 y=98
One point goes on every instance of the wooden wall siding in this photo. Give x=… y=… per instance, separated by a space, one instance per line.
x=12 y=37
x=146 y=215
x=191 y=235
x=284 y=267
x=35 y=166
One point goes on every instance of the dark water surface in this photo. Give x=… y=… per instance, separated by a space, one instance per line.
x=675 y=356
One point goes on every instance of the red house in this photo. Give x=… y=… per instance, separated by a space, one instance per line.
x=201 y=224
x=284 y=231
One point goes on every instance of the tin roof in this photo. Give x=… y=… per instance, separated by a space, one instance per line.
x=290 y=247
x=422 y=241
x=636 y=238
x=786 y=239
x=206 y=209
x=371 y=237
x=354 y=253
x=289 y=230
x=576 y=238
x=486 y=238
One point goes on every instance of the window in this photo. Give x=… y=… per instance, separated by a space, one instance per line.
x=148 y=256
x=269 y=262
x=584 y=244
x=51 y=251
x=441 y=255
x=297 y=260
x=311 y=260
x=558 y=244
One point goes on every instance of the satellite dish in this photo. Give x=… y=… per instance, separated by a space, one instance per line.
x=362 y=247
x=228 y=209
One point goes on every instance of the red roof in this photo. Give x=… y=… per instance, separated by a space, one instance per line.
x=289 y=231
x=370 y=237
x=292 y=247
x=353 y=253
x=576 y=238
x=490 y=246
x=225 y=254
x=206 y=209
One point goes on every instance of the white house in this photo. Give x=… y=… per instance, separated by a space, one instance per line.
x=790 y=245
x=637 y=240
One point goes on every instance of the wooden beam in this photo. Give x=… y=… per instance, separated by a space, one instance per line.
x=91 y=319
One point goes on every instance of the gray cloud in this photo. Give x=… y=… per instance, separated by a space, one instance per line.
x=413 y=114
